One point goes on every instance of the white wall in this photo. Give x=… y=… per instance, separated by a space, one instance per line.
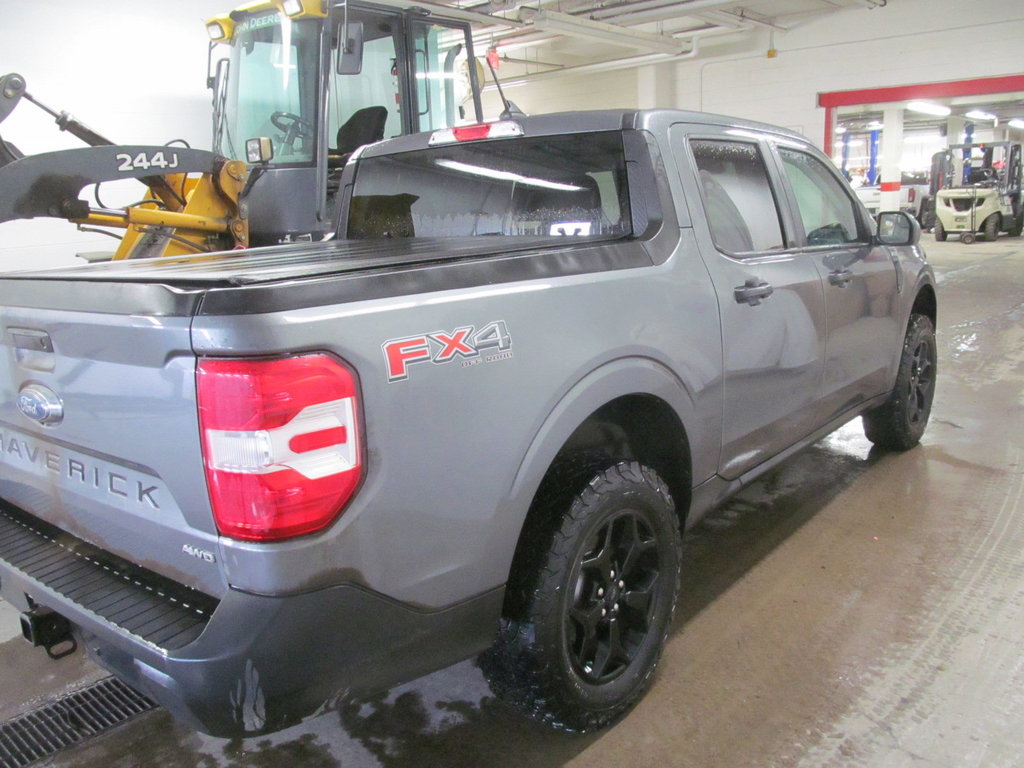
x=907 y=41
x=133 y=71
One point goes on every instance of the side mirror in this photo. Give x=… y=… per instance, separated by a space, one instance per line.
x=350 y=48
x=898 y=228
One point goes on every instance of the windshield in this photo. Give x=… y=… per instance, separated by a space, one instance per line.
x=561 y=186
x=271 y=88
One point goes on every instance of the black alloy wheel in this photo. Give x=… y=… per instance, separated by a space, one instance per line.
x=900 y=421
x=590 y=599
x=611 y=610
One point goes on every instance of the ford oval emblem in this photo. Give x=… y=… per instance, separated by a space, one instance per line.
x=41 y=404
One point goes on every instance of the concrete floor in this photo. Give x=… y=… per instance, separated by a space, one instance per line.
x=855 y=608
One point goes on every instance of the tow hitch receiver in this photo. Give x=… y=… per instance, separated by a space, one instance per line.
x=46 y=628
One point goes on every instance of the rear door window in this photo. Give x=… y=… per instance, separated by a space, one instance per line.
x=738 y=199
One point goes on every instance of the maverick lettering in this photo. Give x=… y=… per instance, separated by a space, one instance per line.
x=17 y=450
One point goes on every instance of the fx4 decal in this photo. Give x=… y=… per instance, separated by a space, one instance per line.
x=466 y=343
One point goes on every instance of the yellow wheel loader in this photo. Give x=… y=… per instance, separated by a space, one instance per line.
x=298 y=86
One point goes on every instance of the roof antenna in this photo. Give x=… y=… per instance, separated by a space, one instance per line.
x=511 y=110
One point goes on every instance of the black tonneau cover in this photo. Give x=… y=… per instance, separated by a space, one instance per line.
x=311 y=274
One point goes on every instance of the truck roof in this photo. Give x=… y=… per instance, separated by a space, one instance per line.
x=556 y=123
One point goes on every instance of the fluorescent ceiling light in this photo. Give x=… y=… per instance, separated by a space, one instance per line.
x=875 y=125
x=977 y=114
x=1016 y=123
x=574 y=26
x=492 y=173
x=841 y=130
x=929 y=108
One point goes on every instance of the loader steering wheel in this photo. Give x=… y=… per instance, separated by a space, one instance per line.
x=294 y=127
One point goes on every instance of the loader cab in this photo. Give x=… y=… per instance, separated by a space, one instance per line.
x=320 y=84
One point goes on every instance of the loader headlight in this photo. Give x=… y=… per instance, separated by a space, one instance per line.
x=220 y=29
x=292 y=7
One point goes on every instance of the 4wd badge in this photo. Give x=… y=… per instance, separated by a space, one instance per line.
x=465 y=343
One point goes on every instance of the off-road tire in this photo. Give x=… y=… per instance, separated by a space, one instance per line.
x=585 y=643
x=1018 y=226
x=900 y=421
x=939 y=231
x=990 y=228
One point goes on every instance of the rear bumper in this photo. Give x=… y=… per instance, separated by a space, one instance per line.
x=254 y=664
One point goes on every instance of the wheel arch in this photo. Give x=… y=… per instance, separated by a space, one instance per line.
x=925 y=302
x=628 y=410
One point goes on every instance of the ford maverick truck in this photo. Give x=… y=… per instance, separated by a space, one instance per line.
x=475 y=421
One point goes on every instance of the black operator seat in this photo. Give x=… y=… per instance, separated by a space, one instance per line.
x=365 y=126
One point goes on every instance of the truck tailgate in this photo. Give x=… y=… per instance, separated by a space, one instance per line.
x=120 y=467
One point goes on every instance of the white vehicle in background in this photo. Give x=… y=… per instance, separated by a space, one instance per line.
x=913 y=196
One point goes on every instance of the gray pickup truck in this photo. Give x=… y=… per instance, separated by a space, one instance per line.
x=475 y=421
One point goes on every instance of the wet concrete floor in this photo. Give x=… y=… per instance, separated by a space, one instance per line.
x=854 y=608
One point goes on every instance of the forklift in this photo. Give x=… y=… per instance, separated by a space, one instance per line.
x=298 y=86
x=977 y=190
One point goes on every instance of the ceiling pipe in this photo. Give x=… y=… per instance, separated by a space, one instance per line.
x=721 y=19
x=611 y=65
x=652 y=14
x=727 y=18
x=683 y=8
x=577 y=26
x=512 y=41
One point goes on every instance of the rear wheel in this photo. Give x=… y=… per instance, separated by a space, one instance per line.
x=900 y=421
x=597 y=608
x=991 y=228
x=940 y=231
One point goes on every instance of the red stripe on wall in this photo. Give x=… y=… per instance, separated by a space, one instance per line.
x=975 y=87
x=890 y=186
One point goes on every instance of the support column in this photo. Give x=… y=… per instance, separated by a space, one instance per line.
x=655 y=86
x=646 y=86
x=892 y=153
x=955 y=130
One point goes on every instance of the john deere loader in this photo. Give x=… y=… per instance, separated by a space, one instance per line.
x=298 y=86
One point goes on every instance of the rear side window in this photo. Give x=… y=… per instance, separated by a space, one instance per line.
x=827 y=212
x=738 y=199
x=550 y=186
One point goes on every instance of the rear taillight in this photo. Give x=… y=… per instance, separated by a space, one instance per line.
x=280 y=443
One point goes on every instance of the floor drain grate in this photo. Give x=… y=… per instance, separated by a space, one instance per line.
x=69 y=720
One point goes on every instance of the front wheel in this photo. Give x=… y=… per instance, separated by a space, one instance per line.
x=598 y=605
x=900 y=421
x=991 y=228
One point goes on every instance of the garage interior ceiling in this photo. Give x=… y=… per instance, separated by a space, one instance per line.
x=544 y=37
x=1004 y=106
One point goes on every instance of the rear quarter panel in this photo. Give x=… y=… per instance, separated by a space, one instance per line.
x=455 y=451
